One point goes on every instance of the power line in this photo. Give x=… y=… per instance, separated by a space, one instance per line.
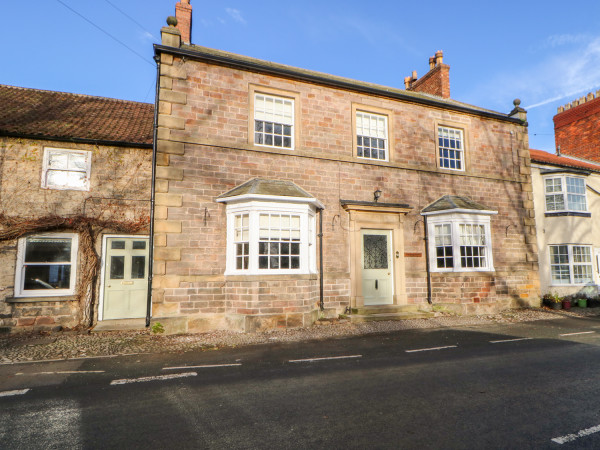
x=130 y=18
x=105 y=32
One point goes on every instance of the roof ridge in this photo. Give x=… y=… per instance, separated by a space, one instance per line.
x=74 y=94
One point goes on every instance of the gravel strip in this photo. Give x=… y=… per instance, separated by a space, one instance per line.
x=70 y=345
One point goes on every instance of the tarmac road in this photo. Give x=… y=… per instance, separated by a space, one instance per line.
x=529 y=385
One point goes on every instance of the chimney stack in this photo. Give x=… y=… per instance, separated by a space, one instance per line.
x=183 y=12
x=436 y=81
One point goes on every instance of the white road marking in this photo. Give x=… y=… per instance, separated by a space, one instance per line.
x=208 y=366
x=579 y=434
x=575 y=334
x=155 y=378
x=510 y=340
x=11 y=393
x=324 y=359
x=70 y=359
x=59 y=372
x=429 y=349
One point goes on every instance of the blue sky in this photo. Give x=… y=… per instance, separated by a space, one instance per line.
x=546 y=53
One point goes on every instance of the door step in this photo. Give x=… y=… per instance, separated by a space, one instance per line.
x=120 y=325
x=379 y=313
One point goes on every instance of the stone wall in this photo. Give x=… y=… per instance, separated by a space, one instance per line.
x=119 y=190
x=206 y=148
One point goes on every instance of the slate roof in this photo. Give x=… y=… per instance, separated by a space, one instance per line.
x=34 y=113
x=543 y=157
x=261 y=186
x=449 y=202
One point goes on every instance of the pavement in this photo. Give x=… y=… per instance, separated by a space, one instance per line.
x=69 y=345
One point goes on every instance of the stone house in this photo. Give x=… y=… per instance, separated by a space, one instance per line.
x=75 y=191
x=283 y=194
x=567 y=203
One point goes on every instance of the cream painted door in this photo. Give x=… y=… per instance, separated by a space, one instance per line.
x=376 y=265
x=125 y=277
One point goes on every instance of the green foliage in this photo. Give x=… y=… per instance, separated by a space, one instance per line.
x=552 y=297
x=157 y=328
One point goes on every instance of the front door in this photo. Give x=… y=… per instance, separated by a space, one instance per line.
x=125 y=277
x=376 y=262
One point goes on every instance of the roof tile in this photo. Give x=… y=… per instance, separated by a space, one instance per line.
x=60 y=115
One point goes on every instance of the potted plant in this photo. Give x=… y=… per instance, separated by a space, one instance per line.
x=552 y=300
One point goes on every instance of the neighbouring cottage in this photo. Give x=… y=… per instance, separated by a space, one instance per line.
x=75 y=175
x=567 y=203
x=283 y=194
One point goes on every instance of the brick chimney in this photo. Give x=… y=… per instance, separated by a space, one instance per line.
x=183 y=12
x=576 y=127
x=436 y=81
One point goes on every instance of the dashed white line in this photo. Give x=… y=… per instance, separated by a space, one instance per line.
x=61 y=372
x=16 y=392
x=579 y=434
x=430 y=349
x=207 y=366
x=510 y=340
x=154 y=378
x=575 y=334
x=324 y=359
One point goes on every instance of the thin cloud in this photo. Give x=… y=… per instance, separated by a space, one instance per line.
x=559 y=40
x=236 y=15
x=555 y=76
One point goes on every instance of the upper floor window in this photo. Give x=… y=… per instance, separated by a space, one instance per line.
x=371 y=136
x=273 y=121
x=564 y=193
x=451 y=151
x=46 y=265
x=66 y=169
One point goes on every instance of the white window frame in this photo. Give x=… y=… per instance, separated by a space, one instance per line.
x=254 y=208
x=374 y=121
x=564 y=193
x=441 y=148
x=455 y=220
x=20 y=267
x=571 y=264
x=49 y=151
x=291 y=122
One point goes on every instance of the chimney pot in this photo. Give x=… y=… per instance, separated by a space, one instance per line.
x=439 y=57
x=406 y=82
x=431 y=62
x=414 y=75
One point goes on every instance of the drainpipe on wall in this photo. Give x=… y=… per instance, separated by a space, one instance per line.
x=152 y=186
x=321 y=303
x=427 y=262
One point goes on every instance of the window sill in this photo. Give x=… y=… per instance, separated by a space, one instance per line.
x=465 y=272
x=64 y=298
x=272 y=277
x=568 y=213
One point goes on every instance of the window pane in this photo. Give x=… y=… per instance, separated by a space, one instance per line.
x=117 y=267
x=47 y=277
x=40 y=250
x=138 y=267
x=117 y=245
x=375 y=250
x=139 y=245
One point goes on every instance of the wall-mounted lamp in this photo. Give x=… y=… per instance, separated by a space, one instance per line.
x=377 y=194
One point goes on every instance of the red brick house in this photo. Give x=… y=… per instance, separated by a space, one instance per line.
x=576 y=128
x=74 y=209
x=283 y=194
